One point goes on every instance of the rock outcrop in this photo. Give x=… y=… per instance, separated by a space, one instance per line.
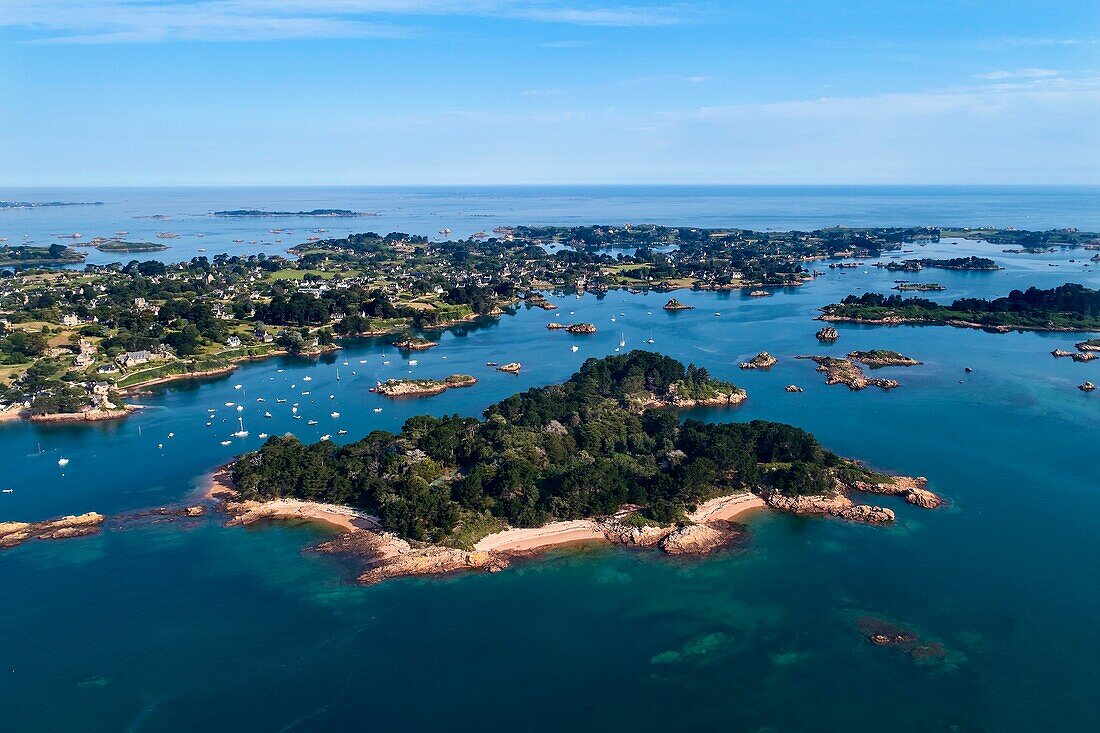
x=699 y=539
x=510 y=368
x=675 y=305
x=389 y=556
x=415 y=344
x=16 y=533
x=867 y=514
x=878 y=358
x=620 y=532
x=1086 y=387
x=794 y=388
x=763 y=360
x=421 y=387
x=913 y=489
x=580 y=328
x=828 y=334
x=847 y=372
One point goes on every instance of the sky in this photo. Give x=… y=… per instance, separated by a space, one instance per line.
x=416 y=92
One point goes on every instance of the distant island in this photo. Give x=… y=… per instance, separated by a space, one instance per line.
x=334 y=213
x=115 y=245
x=45 y=204
x=956 y=263
x=1069 y=307
x=596 y=457
x=30 y=256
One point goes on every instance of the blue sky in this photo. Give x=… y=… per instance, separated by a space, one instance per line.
x=147 y=92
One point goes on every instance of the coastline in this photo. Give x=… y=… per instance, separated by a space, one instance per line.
x=902 y=321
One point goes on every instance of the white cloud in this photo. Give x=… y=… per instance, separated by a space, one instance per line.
x=120 y=21
x=1017 y=74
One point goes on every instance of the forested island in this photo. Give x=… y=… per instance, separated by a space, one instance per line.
x=333 y=213
x=581 y=449
x=45 y=204
x=955 y=263
x=28 y=256
x=116 y=245
x=1069 y=307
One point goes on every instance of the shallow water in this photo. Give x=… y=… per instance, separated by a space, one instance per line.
x=166 y=628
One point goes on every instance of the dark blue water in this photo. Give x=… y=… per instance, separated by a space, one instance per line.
x=165 y=628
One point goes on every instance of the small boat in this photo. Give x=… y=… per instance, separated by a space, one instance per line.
x=262 y=436
x=230 y=404
x=307 y=379
x=326 y=436
x=341 y=432
x=574 y=347
x=240 y=408
x=717 y=313
x=311 y=422
x=334 y=415
x=227 y=442
x=650 y=340
x=622 y=340
x=385 y=363
x=62 y=461
x=209 y=424
x=242 y=433
x=260 y=399
x=6 y=491
x=362 y=361
x=281 y=400
x=345 y=364
x=278 y=371
x=332 y=396
x=297 y=417
x=378 y=409
x=267 y=414
x=237 y=386
x=160 y=445
x=306 y=392
x=413 y=362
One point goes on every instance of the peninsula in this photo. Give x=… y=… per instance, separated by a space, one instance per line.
x=1069 y=307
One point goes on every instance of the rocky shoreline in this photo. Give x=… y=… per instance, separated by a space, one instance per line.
x=953 y=322
x=85 y=415
x=847 y=372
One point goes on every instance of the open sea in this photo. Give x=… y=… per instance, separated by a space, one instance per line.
x=196 y=626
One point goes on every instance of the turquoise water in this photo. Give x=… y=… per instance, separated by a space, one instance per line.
x=172 y=627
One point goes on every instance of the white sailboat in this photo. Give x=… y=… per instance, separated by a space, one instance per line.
x=242 y=433
x=622 y=340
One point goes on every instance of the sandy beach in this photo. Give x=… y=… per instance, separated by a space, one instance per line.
x=342 y=518
x=726 y=508
x=537 y=538
x=346 y=519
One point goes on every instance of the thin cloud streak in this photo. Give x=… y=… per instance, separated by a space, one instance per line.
x=143 y=21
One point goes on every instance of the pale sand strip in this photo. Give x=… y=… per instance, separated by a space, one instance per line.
x=726 y=507
x=341 y=517
x=548 y=535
